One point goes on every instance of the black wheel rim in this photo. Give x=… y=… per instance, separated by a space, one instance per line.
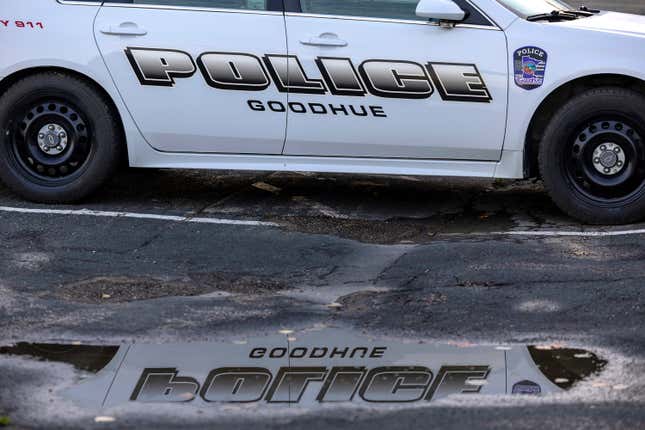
x=50 y=141
x=605 y=160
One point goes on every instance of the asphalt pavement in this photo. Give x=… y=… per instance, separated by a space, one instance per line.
x=188 y=258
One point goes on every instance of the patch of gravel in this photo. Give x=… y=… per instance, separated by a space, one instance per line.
x=119 y=289
x=31 y=260
x=364 y=302
x=239 y=284
x=399 y=230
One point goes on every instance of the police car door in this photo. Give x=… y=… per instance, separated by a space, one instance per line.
x=371 y=79
x=186 y=68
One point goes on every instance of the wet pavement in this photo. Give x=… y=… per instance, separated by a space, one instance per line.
x=193 y=271
x=413 y=261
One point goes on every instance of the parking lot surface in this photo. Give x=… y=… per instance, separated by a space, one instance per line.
x=188 y=257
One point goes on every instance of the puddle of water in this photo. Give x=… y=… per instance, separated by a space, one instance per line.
x=88 y=358
x=310 y=369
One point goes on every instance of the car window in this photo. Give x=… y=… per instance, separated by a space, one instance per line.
x=392 y=9
x=534 y=7
x=223 y=4
x=389 y=9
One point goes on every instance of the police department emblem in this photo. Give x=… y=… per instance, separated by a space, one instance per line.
x=530 y=67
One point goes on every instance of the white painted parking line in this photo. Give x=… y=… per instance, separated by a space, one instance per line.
x=553 y=233
x=197 y=220
x=574 y=233
x=111 y=214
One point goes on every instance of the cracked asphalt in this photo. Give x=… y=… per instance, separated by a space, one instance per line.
x=407 y=258
x=441 y=260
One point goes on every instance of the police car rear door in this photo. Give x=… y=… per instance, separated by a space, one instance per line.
x=371 y=79
x=187 y=68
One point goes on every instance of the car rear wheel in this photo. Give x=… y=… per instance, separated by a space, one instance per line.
x=592 y=156
x=60 y=138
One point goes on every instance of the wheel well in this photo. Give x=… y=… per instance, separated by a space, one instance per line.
x=8 y=81
x=557 y=98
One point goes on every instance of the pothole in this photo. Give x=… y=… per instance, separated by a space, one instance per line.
x=119 y=289
x=400 y=230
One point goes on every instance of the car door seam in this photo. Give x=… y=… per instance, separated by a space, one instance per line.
x=111 y=75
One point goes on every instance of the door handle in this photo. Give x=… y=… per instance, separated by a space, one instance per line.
x=325 y=39
x=124 y=29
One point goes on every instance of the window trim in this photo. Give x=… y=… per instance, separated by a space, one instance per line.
x=279 y=7
x=293 y=8
x=81 y=2
x=274 y=7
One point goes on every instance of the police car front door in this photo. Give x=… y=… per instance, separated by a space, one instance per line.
x=370 y=79
x=186 y=68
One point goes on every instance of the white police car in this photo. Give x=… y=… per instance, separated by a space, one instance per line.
x=481 y=88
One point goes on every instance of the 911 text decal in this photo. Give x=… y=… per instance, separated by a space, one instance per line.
x=6 y=23
x=339 y=76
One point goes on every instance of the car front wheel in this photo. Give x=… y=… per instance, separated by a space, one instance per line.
x=592 y=156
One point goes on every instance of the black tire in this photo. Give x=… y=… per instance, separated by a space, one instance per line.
x=61 y=138
x=592 y=156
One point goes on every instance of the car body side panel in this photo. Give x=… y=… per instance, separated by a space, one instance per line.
x=66 y=41
x=69 y=21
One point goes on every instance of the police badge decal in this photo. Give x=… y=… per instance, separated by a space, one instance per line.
x=530 y=67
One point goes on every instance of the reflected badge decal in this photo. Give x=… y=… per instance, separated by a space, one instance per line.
x=530 y=67
x=527 y=387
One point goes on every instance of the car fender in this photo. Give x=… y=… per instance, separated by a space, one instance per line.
x=572 y=54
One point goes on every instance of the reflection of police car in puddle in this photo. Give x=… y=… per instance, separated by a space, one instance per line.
x=314 y=368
